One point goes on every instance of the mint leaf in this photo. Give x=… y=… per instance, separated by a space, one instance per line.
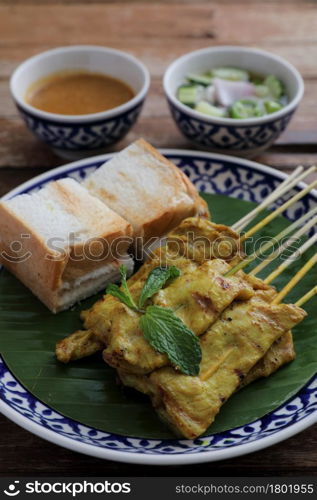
x=166 y=333
x=123 y=295
x=119 y=294
x=156 y=280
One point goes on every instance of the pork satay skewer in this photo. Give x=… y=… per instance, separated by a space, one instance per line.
x=230 y=349
x=284 y=352
x=223 y=364
x=282 y=349
x=280 y=353
x=123 y=350
x=283 y=188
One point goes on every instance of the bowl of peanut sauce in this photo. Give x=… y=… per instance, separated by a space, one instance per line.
x=81 y=99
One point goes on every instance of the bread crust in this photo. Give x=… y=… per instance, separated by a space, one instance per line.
x=45 y=270
x=161 y=215
x=200 y=206
x=35 y=264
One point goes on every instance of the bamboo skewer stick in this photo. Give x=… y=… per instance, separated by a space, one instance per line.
x=287 y=243
x=309 y=295
x=279 y=191
x=245 y=262
x=293 y=282
x=278 y=211
x=208 y=373
x=274 y=274
x=285 y=187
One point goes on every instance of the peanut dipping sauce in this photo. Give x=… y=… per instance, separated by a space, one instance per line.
x=78 y=93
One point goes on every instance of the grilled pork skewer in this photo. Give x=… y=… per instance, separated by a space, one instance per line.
x=230 y=349
x=232 y=352
x=237 y=348
x=198 y=296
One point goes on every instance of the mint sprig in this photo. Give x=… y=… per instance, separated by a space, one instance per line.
x=156 y=280
x=164 y=331
x=168 y=334
x=123 y=295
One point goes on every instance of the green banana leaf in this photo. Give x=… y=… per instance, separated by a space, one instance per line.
x=88 y=391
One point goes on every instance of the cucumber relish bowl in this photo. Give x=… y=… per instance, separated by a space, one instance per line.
x=76 y=136
x=240 y=137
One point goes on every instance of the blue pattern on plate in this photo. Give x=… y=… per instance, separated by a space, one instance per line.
x=219 y=176
x=237 y=138
x=82 y=136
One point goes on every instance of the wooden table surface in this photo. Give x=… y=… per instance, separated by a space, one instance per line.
x=157 y=33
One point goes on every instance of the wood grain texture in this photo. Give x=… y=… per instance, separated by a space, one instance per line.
x=157 y=32
x=235 y=21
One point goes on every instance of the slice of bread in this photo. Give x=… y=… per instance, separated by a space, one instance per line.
x=62 y=242
x=146 y=189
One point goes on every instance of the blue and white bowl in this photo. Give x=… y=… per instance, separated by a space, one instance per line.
x=76 y=136
x=246 y=137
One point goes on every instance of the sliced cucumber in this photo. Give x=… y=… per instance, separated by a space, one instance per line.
x=208 y=109
x=246 y=108
x=190 y=94
x=233 y=74
x=272 y=106
x=275 y=86
x=202 y=79
x=261 y=91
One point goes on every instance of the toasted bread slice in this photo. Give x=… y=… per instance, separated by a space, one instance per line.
x=62 y=242
x=146 y=189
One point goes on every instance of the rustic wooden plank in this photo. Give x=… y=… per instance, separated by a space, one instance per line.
x=157 y=57
x=22 y=453
x=213 y=21
x=78 y=2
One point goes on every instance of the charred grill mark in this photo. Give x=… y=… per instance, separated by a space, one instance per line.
x=225 y=285
x=239 y=374
x=204 y=302
x=257 y=346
